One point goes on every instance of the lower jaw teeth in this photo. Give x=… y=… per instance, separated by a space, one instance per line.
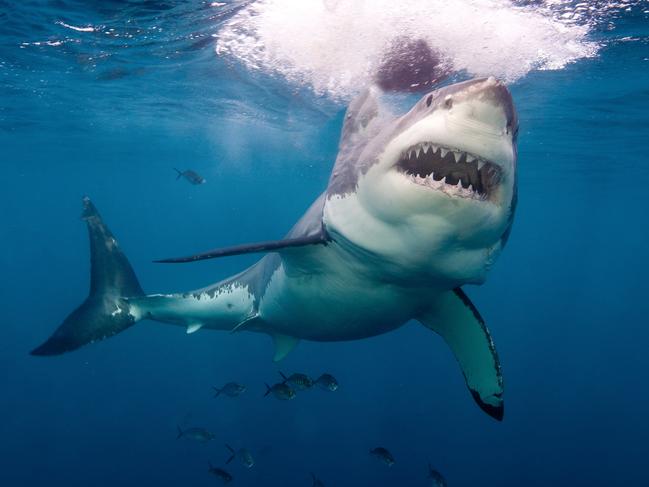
x=451 y=189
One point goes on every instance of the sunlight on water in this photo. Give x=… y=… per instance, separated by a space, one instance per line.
x=335 y=46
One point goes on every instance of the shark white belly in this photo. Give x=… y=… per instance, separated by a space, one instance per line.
x=417 y=206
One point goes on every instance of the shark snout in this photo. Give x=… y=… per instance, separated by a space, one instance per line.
x=497 y=92
x=479 y=99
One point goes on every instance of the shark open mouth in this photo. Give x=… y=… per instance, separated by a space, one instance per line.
x=452 y=171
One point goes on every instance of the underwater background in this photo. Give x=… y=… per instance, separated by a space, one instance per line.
x=105 y=98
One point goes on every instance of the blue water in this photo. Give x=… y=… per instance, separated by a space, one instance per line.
x=110 y=113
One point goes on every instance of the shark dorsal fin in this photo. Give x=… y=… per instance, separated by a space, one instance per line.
x=360 y=114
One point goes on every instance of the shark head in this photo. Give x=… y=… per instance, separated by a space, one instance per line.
x=430 y=193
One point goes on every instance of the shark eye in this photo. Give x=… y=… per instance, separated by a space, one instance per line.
x=429 y=100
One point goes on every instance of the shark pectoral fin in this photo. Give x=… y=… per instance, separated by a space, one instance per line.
x=283 y=346
x=457 y=320
x=320 y=238
x=194 y=328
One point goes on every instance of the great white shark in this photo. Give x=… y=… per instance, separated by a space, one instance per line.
x=417 y=206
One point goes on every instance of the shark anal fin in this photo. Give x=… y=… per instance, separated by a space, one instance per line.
x=283 y=346
x=267 y=246
x=455 y=318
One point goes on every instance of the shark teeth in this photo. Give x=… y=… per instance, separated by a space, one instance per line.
x=452 y=190
x=453 y=171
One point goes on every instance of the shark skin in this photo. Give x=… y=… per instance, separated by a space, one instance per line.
x=417 y=206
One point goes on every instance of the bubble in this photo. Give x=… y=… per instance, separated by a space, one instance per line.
x=338 y=47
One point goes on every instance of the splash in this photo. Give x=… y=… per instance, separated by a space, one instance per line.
x=336 y=46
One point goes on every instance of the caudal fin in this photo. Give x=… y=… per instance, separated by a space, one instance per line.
x=105 y=312
x=283 y=376
x=180 y=432
x=268 y=390
x=180 y=174
x=233 y=454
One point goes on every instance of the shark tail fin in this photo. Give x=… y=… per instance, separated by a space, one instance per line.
x=233 y=453
x=180 y=174
x=105 y=312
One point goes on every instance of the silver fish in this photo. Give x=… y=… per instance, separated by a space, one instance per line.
x=298 y=381
x=231 y=389
x=327 y=381
x=191 y=176
x=280 y=391
x=220 y=473
x=383 y=455
x=436 y=479
x=244 y=456
x=198 y=434
x=316 y=481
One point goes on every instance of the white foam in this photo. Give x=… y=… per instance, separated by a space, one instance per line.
x=88 y=28
x=334 y=46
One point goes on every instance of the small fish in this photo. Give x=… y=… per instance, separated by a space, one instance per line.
x=198 y=434
x=280 y=391
x=231 y=389
x=220 y=473
x=327 y=381
x=299 y=382
x=383 y=454
x=316 y=481
x=436 y=478
x=244 y=455
x=191 y=176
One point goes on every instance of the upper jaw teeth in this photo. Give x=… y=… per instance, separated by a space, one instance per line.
x=431 y=165
x=425 y=148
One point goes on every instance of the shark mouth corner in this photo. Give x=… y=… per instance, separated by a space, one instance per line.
x=454 y=172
